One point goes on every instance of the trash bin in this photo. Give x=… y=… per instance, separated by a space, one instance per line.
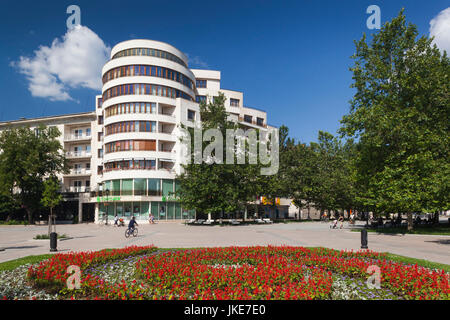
x=53 y=241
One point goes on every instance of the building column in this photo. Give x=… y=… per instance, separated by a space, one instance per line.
x=97 y=211
x=80 y=211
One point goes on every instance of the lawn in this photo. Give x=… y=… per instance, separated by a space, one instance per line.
x=257 y=273
x=442 y=229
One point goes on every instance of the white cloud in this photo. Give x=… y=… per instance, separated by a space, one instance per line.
x=196 y=61
x=440 y=29
x=75 y=61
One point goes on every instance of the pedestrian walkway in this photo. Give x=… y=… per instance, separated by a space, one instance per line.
x=18 y=240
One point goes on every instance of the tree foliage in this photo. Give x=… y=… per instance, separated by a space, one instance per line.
x=27 y=157
x=400 y=113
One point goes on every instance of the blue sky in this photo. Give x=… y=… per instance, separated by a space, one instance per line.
x=290 y=58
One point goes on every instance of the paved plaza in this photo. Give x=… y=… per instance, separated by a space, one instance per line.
x=18 y=242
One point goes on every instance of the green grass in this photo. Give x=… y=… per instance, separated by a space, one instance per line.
x=419 y=262
x=12 y=264
x=13 y=222
x=440 y=230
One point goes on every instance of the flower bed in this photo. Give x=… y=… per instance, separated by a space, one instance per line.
x=237 y=273
x=51 y=274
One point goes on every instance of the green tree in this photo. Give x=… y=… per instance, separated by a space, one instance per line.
x=51 y=197
x=212 y=187
x=27 y=157
x=400 y=113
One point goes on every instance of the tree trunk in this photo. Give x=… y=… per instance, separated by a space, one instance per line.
x=410 y=221
x=436 y=218
x=49 y=223
x=30 y=215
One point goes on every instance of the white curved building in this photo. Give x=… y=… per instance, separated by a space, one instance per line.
x=148 y=90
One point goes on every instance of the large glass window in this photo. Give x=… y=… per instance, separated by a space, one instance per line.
x=119 y=209
x=127 y=187
x=107 y=186
x=154 y=187
x=127 y=209
x=167 y=187
x=140 y=89
x=115 y=188
x=162 y=211
x=136 y=209
x=170 y=210
x=149 y=52
x=145 y=210
x=146 y=70
x=155 y=210
x=140 y=188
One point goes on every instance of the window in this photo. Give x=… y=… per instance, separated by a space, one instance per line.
x=167 y=187
x=77 y=168
x=115 y=188
x=234 y=102
x=260 y=121
x=191 y=115
x=140 y=187
x=88 y=132
x=154 y=187
x=248 y=118
x=201 y=83
x=200 y=99
x=127 y=187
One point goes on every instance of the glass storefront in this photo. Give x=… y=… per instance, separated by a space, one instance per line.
x=142 y=209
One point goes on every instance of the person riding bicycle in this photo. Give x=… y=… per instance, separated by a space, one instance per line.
x=131 y=224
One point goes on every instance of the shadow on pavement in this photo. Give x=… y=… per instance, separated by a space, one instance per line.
x=21 y=247
x=440 y=241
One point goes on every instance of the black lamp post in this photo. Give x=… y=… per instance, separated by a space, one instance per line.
x=364 y=239
x=106 y=205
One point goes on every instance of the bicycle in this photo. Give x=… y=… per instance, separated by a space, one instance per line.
x=128 y=232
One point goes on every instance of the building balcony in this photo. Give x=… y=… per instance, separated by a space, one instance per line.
x=72 y=189
x=76 y=138
x=79 y=173
x=78 y=154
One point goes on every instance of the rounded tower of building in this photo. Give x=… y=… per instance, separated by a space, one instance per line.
x=148 y=90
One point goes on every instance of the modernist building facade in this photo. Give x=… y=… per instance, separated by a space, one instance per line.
x=124 y=156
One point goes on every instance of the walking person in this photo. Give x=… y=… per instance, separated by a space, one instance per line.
x=341 y=220
x=116 y=220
